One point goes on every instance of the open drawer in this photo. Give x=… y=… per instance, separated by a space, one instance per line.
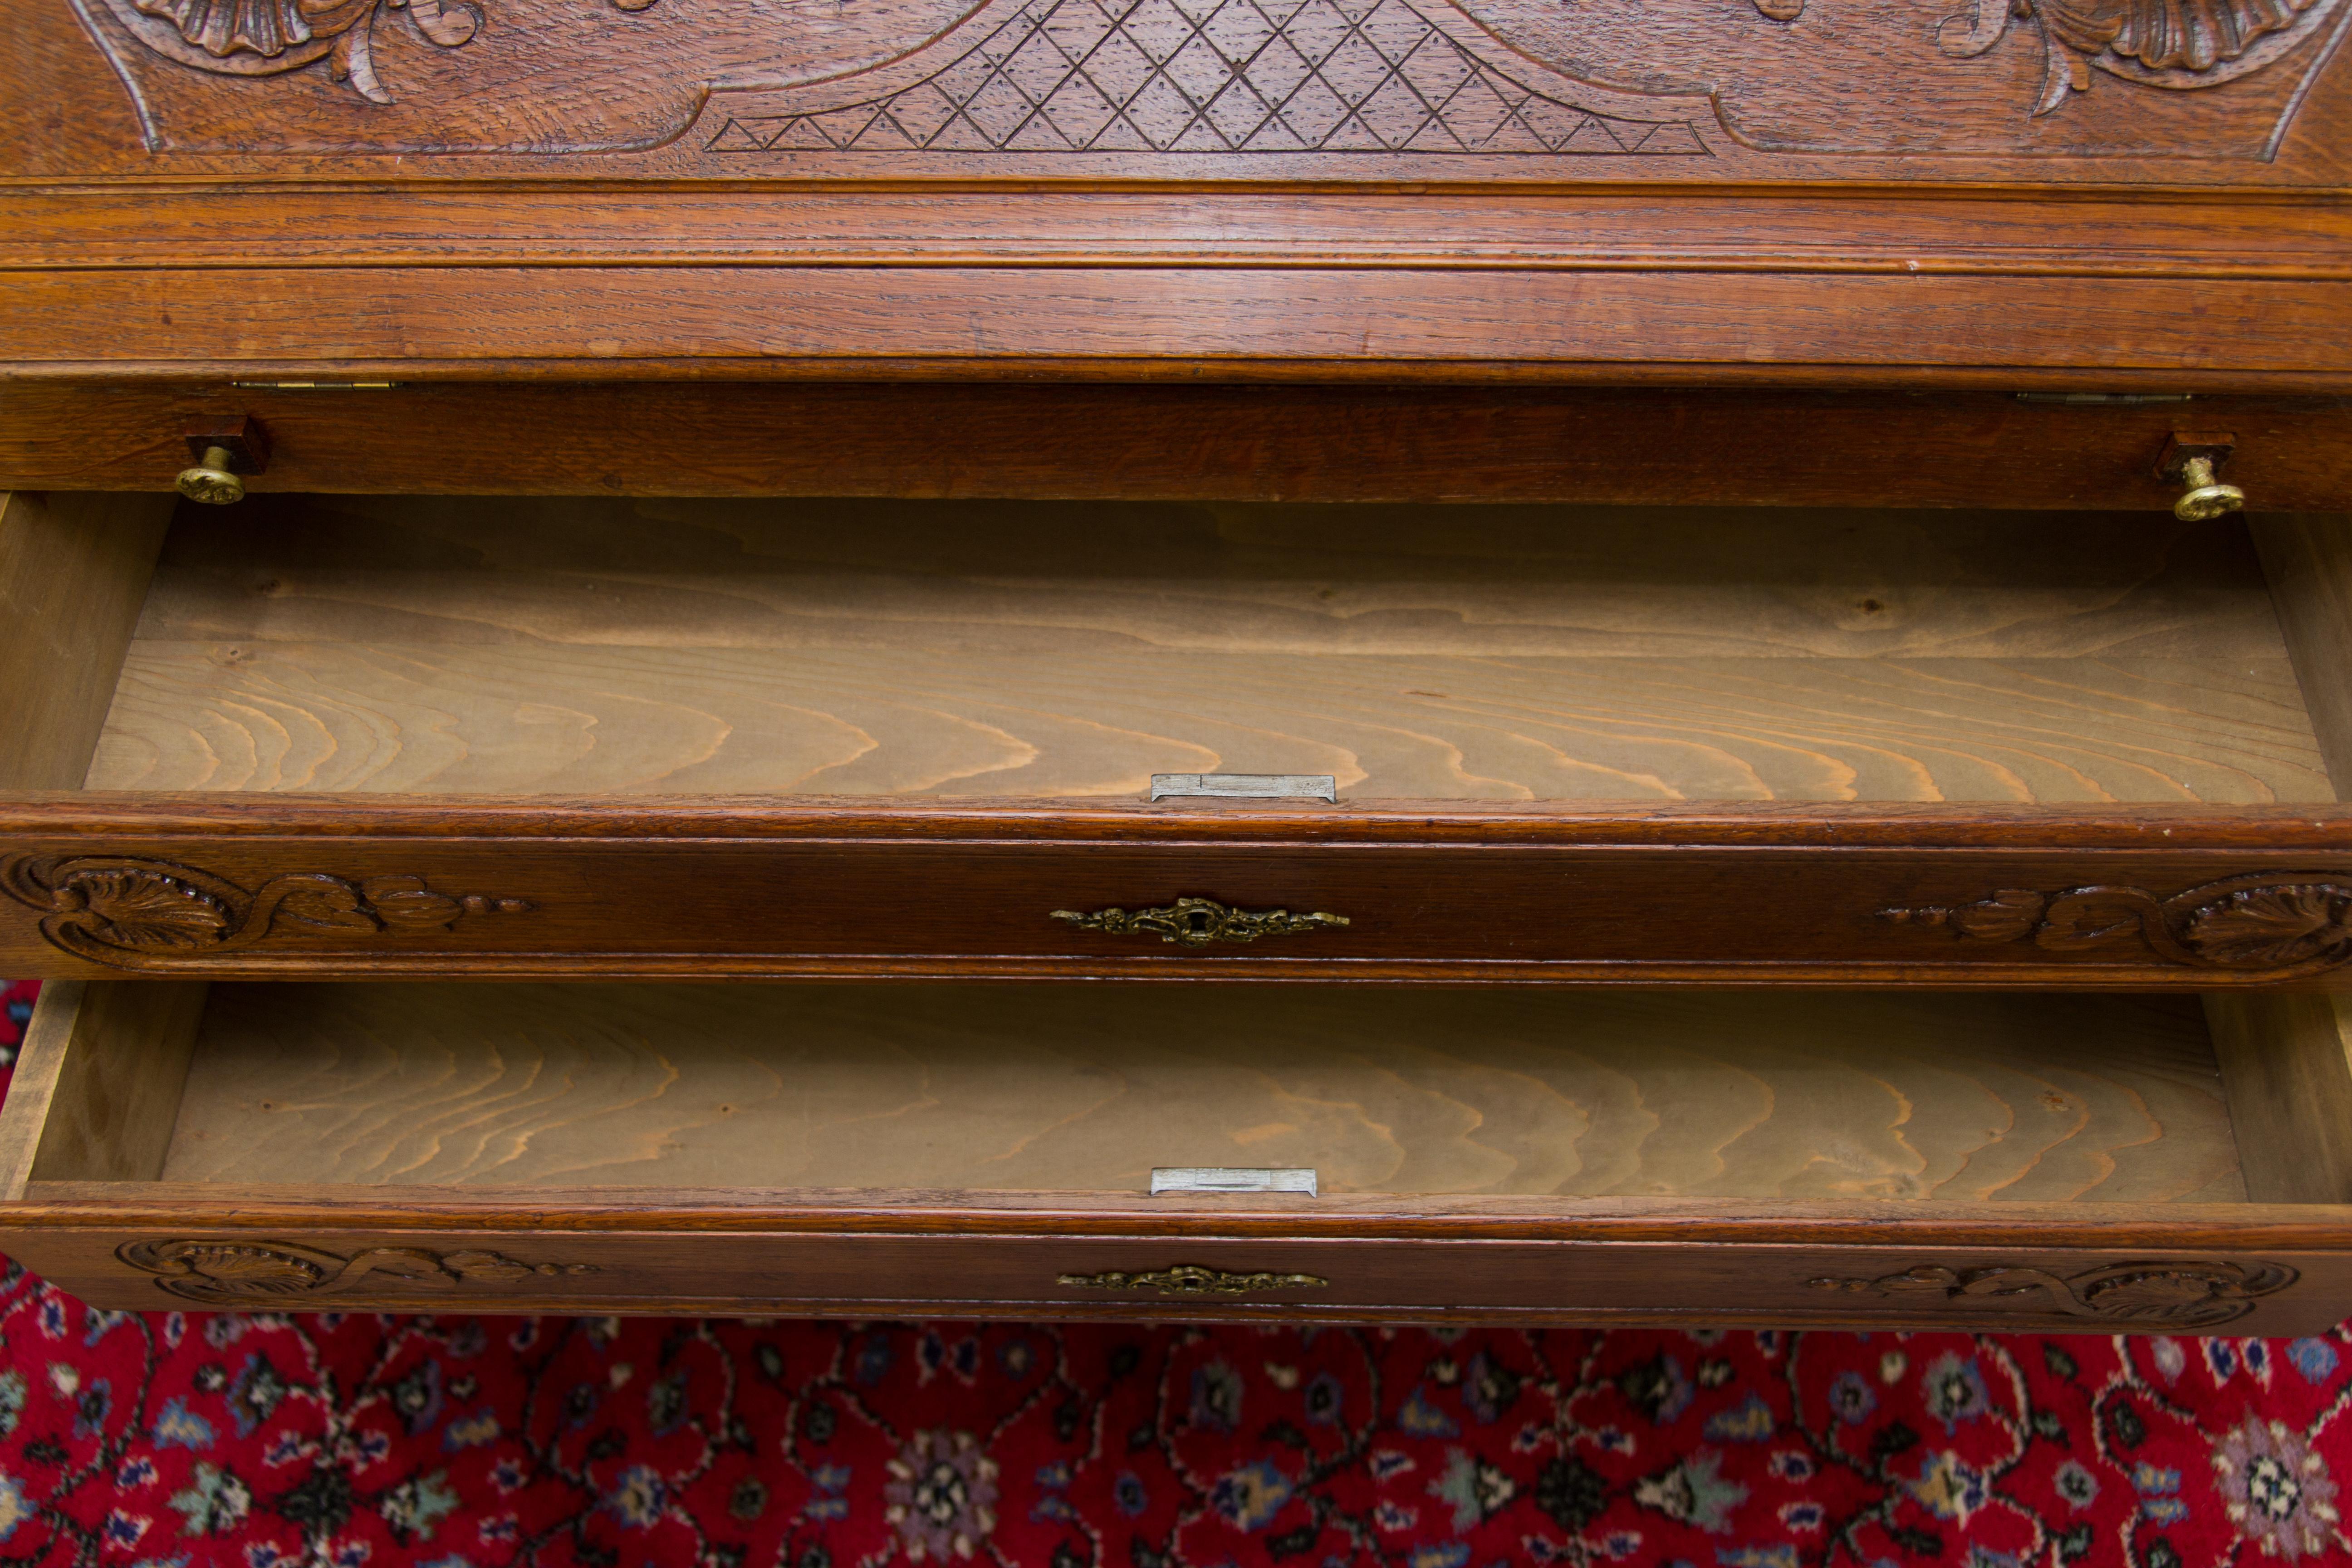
x=698 y=738
x=1992 y=1160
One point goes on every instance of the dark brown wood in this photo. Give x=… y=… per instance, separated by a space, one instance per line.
x=324 y=886
x=1153 y=442
x=127 y=1262
x=242 y=437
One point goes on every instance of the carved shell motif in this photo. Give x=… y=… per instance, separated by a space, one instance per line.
x=2163 y=43
x=142 y=908
x=2264 y=928
x=264 y=37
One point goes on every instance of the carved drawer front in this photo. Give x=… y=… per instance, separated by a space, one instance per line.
x=2049 y=1162
x=1335 y=1280
x=694 y=738
x=1725 y=188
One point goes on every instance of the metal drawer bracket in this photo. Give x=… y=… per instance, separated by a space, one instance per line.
x=1229 y=1179
x=1247 y=787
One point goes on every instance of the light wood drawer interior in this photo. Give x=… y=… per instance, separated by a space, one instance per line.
x=2119 y=1102
x=1071 y=650
x=1909 y=1159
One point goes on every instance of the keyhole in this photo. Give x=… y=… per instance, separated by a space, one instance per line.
x=1200 y=918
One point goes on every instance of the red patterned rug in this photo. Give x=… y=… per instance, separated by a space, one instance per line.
x=200 y=1438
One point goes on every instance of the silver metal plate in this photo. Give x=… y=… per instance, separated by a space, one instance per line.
x=1248 y=786
x=1229 y=1179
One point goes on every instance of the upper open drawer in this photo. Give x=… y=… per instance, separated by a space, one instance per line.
x=443 y=736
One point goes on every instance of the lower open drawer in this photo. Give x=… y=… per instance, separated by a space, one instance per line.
x=2081 y=1162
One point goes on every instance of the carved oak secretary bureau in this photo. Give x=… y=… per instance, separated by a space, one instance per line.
x=1836 y=500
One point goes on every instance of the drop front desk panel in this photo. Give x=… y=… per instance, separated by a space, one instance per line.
x=736 y=493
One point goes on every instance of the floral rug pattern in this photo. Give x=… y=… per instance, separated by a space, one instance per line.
x=267 y=1441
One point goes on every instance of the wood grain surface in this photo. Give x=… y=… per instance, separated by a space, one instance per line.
x=74 y=569
x=1229 y=322
x=2308 y=561
x=102 y=1071
x=1029 y=649
x=1042 y=1088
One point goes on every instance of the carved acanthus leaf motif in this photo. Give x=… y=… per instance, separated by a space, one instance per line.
x=2185 y=1295
x=1193 y=1279
x=2161 y=43
x=1200 y=922
x=267 y=1273
x=2298 y=925
x=148 y=914
x=268 y=38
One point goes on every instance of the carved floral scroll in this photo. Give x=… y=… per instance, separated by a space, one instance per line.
x=2176 y=1295
x=152 y=914
x=283 y=1274
x=2280 y=926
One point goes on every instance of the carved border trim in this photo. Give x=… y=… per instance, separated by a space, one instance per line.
x=2280 y=925
x=2185 y=1295
x=273 y=1273
x=130 y=913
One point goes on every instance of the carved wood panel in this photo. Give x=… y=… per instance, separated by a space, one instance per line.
x=1193 y=88
x=280 y=1274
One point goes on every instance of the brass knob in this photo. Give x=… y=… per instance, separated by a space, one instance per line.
x=210 y=481
x=2206 y=497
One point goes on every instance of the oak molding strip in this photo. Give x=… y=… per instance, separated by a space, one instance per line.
x=69 y=817
x=74 y=324
x=1896 y=1233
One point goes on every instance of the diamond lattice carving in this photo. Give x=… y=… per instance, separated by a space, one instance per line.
x=1214 y=75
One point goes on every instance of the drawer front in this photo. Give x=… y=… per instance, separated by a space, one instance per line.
x=2019 y=1289
x=1469 y=188
x=1791 y=897
x=1622 y=446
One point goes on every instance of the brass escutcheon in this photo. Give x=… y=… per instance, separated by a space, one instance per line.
x=1193 y=1279
x=1198 y=923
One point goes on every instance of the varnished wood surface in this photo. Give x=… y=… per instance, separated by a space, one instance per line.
x=74 y=571
x=1074 y=650
x=661 y=91
x=459 y=197
x=1314 y=323
x=2113 y=234
x=1162 y=442
x=1974 y=1100
x=1630 y=894
x=934 y=1273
